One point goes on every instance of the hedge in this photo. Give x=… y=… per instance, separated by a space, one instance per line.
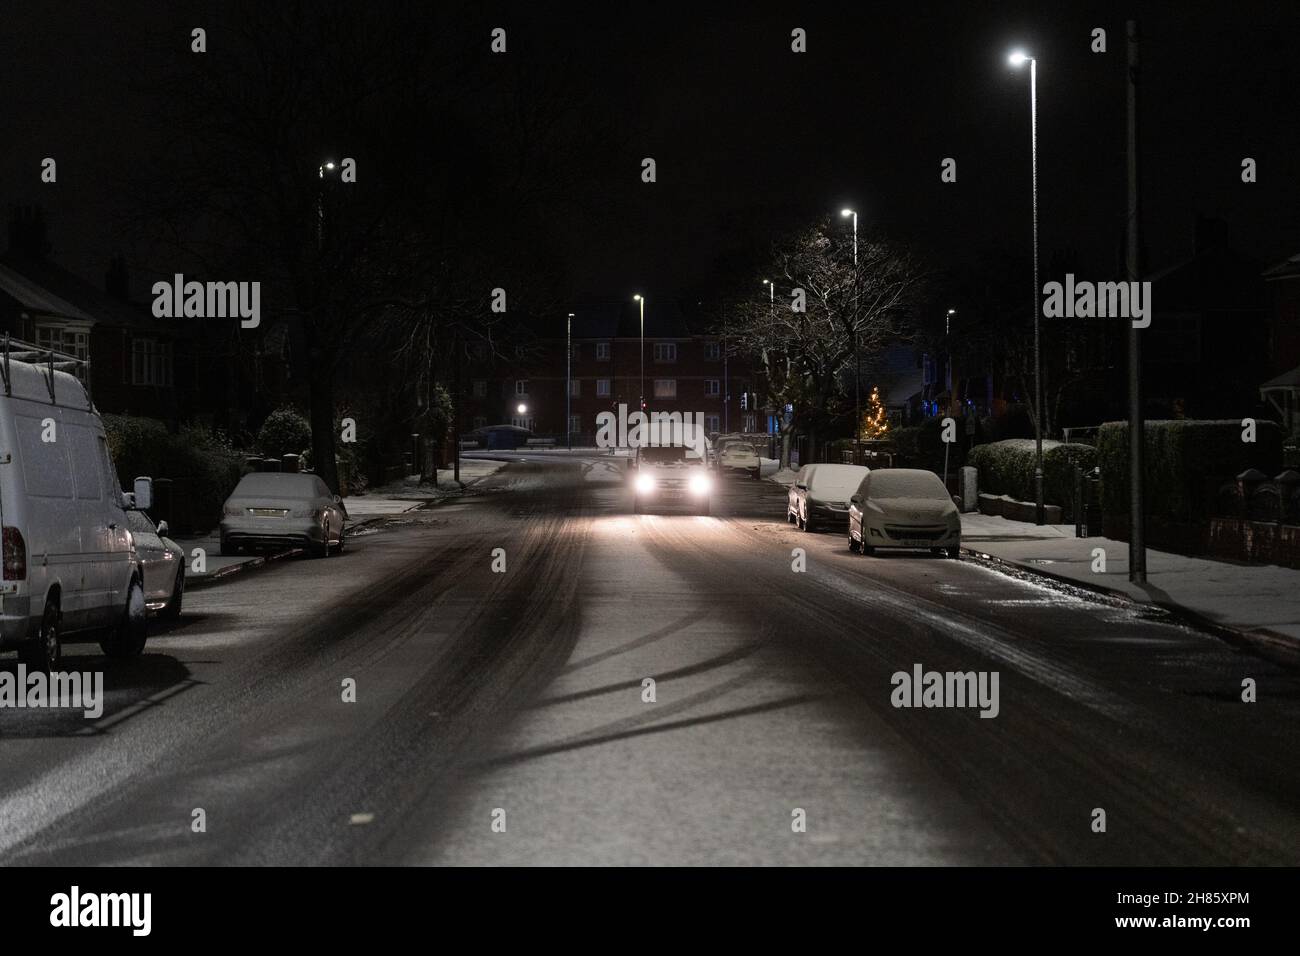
x=1184 y=463
x=1007 y=468
x=199 y=457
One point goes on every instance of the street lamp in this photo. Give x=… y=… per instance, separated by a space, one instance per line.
x=641 y=299
x=1018 y=59
x=521 y=408
x=568 y=381
x=857 y=359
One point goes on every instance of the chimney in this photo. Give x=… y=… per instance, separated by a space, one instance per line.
x=27 y=236
x=117 y=281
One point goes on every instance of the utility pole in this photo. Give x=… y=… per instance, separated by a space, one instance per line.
x=726 y=380
x=1137 y=549
x=455 y=402
x=568 y=382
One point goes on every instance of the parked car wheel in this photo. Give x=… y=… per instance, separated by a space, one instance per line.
x=954 y=553
x=44 y=652
x=322 y=550
x=172 y=609
x=757 y=473
x=865 y=549
x=127 y=638
x=853 y=545
x=339 y=546
x=808 y=523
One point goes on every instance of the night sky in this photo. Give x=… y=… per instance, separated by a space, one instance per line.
x=751 y=139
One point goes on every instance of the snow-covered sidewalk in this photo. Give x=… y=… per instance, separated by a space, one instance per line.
x=1258 y=600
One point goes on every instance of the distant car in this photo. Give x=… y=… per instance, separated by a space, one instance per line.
x=163 y=562
x=670 y=476
x=282 y=508
x=820 y=494
x=739 y=456
x=903 y=508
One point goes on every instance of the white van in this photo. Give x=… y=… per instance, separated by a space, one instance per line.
x=69 y=564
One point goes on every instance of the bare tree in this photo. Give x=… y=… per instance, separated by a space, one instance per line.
x=826 y=313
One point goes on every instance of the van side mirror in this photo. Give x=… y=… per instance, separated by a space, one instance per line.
x=143 y=494
x=162 y=528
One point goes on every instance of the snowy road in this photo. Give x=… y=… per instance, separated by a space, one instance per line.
x=507 y=716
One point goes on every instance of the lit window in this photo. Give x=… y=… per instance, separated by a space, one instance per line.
x=665 y=388
x=665 y=351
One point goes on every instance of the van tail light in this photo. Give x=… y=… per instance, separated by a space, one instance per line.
x=15 y=555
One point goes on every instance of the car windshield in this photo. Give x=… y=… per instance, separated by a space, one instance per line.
x=665 y=454
x=836 y=481
x=738 y=448
x=271 y=485
x=139 y=521
x=907 y=483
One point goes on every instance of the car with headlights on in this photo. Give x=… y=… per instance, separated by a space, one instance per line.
x=279 y=509
x=671 y=477
x=820 y=495
x=903 y=508
x=739 y=456
x=163 y=562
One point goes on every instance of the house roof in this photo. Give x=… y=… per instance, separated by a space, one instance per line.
x=49 y=289
x=1289 y=269
x=35 y=298
x=1287 y=380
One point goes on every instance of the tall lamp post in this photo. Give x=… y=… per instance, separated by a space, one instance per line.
x=568 y=382
x=641 y=300
x=857 y=358
x=1018 y=59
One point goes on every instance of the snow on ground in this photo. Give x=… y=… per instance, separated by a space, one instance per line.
x=785 y=476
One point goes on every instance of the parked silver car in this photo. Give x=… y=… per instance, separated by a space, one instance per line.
x=269 y=509
x=904 y=508
x=820 y=494
x=163 y=562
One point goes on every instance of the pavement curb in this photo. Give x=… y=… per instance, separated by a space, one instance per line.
x=218 y=577
x=1271 y=644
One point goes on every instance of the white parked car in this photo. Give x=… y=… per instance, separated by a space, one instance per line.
x=904 y=508
x=820 y=495
x=272 y=509
x=739 y=456
x=163 y=563
x=70 y=567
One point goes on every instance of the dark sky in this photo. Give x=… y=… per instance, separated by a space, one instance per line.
x=751 y=138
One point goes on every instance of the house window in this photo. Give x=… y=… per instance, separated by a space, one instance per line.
x=480 y=388
x=665 y=388
x=480 y=421
x=151 y=362
x=665 y=351
x=602 y=351
x=712 y=387
x=575 y=388
x=712 y=351
x=751 y=423
x=712 y=423
x=602 y=387
x=67 y=339
x=575 y=424
x=573 y=353
x=522 y=421
x=521 y=386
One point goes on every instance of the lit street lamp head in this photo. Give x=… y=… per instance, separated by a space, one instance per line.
x=636 y=298
x=1018 y=58
x=522 y=409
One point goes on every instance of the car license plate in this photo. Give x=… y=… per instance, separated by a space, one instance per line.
x=268 y=512
x=919 y=544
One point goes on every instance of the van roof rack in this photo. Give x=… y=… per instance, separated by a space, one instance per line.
x=31 y=354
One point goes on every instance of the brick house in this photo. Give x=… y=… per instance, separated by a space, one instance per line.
x=686 y=370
